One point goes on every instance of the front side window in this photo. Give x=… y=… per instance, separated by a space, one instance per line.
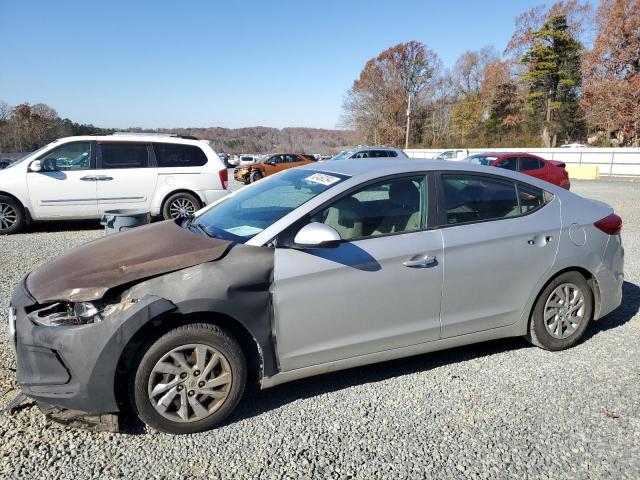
x=393 y=206
x=124 y=155
x=244 y=214
x=175 y=155
x=363 y=154
x=70 y=156
x=509 y=163
x=475 y=198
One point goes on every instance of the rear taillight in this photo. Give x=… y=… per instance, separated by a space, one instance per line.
x=611 y=224
x=224 y=178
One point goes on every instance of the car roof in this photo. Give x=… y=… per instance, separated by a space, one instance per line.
x=134 y=137
x=364 y=169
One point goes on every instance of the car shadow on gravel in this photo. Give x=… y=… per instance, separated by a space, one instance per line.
x=256 y=402
x=62 y=226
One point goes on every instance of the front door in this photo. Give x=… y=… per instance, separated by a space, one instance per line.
x=499 y=240
x=65 y=187
x=379 y=290
x=125 y=177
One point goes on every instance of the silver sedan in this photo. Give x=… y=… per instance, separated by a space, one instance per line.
x=317 y=268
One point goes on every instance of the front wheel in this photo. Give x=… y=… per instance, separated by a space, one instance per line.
x=256 y=175
x=189 y=380
x=562 y=312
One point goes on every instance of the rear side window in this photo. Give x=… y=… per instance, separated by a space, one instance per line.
x=124 y=155
x=383 y=153
x=174 y=155
x=528 y=163
x=475 y=198
x=531 y=198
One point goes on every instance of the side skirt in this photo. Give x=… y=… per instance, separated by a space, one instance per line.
x=442 y=344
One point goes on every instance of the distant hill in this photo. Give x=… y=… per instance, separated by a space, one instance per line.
x=265 y=139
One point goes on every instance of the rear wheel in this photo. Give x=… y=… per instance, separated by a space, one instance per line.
x=562 y=312
x=189 y=380
x=178 y=205
x=11 y=215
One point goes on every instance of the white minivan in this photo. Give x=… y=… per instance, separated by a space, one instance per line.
x=81 y=177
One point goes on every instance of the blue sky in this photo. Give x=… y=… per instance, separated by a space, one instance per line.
x=221 y=63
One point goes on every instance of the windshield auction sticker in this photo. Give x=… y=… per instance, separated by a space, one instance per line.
x=322 y=179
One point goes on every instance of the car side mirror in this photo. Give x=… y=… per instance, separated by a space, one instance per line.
x=317 y=235
x=35 y=166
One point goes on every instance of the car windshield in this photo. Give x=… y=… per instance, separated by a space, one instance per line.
x=480 y=159
x=343 y=154
x=245 y=213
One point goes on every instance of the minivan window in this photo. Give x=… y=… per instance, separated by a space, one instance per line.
x=69 y=156
x=176 y=155
x=475 y=198
x=124 y=155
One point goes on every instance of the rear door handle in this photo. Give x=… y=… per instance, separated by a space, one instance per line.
x=540 y=240
x=104 y=178
x=89 y=178
x=420 y=261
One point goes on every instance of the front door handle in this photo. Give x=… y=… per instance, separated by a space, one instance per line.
x=420 y=261
x=89 y=178
x=104 y=178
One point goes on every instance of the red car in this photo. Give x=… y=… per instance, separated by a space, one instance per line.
x=550 y=170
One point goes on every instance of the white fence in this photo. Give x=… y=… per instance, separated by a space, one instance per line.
x=610 y=161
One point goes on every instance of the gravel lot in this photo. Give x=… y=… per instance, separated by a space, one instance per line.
x=498 y=410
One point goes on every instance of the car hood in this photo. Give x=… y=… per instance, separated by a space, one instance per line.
x=87 y=272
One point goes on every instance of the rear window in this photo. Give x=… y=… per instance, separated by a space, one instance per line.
x=124 y=155
x=175 y=155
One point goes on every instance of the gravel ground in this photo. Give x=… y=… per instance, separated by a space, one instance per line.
x=502 y=409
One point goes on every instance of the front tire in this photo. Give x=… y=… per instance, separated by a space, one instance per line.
x=561 y=313
x=189 y=380
x=178 y=205
x=256 y=175
x=12 y=217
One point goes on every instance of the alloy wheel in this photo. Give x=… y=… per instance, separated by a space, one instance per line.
x=8 y=216
x=564 y=310
x=181 y=207
x=190 y=383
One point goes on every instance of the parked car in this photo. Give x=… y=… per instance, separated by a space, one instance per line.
x=81 y=177
x=458 y=154
x=370 y=152
x=247 y=159
x=269 y=165
x=319 y=268
x=552 y=171
x=574 y=145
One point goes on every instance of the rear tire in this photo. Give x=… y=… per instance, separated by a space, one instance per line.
x=561 y=313
x=180 y=204
x=189 y=380
x=12 y=216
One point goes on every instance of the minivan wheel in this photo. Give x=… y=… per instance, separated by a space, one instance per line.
x=181 y=204
x=562 y=312
x=256 y=175
x=189 y=380
x=11 y=215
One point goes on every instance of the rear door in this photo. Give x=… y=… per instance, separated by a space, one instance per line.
x=66 y=185
x=126 y=176
x=500 y=238
x=534 y=167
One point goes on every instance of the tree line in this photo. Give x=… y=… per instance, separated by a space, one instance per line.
x=24 y=128
x=551 y=85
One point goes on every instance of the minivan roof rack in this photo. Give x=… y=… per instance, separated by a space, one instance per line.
x=158 y=134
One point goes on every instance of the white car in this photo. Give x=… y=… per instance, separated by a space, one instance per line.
x=574 y=145
x=458 y=154
x=247 y=159
x=82 y=177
